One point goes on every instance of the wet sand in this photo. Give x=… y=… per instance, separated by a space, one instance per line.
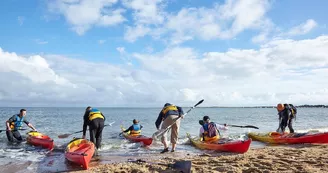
x=291 y=158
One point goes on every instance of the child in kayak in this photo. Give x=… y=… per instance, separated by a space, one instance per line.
x=135 y=128
x=209 y=131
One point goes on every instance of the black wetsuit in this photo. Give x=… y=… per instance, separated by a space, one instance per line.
x=95 y=128
x=14 y=133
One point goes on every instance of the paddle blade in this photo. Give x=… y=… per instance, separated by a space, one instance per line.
x=159 y=133
x=64 y=135
x=200 y=102
x=183 y=166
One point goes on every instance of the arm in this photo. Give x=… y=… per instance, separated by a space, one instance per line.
x=29 y=124
x=220 y=127
x=129 y=129
x=11 y=119
x=180 y=110
x=201 y=131
x=85 y=123
x=159 y=120
x=141 y=127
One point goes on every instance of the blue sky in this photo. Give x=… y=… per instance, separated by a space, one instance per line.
x=106 y=32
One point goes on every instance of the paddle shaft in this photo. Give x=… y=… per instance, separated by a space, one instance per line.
x=247 y=126
x=170 y=126
x=66 y=135
x=12 y=130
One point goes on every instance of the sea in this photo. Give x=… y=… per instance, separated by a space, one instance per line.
x=54 y=121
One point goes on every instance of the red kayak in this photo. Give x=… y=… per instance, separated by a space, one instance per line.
x=80 y=151
x=137 y=138
x=39 y=139
x=234 y=146
x=290 y=138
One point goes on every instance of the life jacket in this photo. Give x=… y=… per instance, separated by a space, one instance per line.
x=169 y=110
x=17 y=123
x=95 y=113
x=136 y=129
x=210 y=132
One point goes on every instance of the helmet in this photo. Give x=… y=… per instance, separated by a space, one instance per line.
x=205 y=118
x=280 y=107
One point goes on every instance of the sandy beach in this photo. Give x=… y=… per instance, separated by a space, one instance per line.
x=292 y=158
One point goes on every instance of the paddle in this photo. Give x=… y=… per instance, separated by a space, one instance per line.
x=162 y=131
x=69 y=134
x=182 y=166
x=247 y=126
x=12 y=130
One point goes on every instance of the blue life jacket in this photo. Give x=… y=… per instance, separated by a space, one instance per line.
x=18 y=123
x=136 y=129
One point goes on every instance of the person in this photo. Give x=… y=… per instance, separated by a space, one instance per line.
x=285 y=118
x=15 y=123
x=95 y=120
x=168 y=115
x=209 y=131
x=135 y=129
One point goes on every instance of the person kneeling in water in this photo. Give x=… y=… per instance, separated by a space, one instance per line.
x=135 y=129
x=209 y=131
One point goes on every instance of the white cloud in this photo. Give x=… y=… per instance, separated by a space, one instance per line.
x=101 y=41
x=146 y=11
x=303 y=28
x=133 y=33
x=20 y=20
x=38 y=41
x=280 y=71
x=219 y=22
x=120 y=49
x=85 y=14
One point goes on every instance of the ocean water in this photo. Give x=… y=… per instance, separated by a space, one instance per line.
x=56 y=121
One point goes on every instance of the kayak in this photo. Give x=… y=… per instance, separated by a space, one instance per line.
x=235 y=146
x=137 y=138
x=290 y=138
x=39 y=139
x=80 y=151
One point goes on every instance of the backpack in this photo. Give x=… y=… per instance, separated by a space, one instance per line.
x=293 y=110
x=211 y=130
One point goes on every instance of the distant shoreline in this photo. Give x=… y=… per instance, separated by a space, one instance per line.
x=142 y=107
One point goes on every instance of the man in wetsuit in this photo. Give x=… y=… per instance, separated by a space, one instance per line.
x=15 y=123
x=285 y=118
x=95 y=120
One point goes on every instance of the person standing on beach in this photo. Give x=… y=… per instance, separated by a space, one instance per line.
x=209 y=131
x=15 y=123
x=168 y=115
x=285 y=118
x=95 y=120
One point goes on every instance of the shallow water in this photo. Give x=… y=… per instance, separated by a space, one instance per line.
x=56 y=121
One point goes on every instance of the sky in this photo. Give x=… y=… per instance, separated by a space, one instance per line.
x=145 y=53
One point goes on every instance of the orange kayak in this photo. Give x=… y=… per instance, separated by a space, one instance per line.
x=39 y=139
x=80 y=151
x=234 y=146
x=137 y=138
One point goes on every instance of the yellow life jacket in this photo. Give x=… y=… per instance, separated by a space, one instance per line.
x=95 y=113
x=211 y=139
x=169 y=108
